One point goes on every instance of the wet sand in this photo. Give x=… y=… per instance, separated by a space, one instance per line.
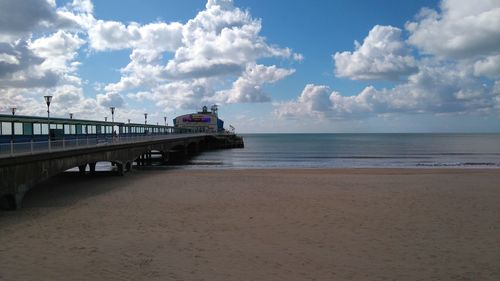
x=409 y=224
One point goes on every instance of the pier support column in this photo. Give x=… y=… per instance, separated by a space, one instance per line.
x=19 y=200
x=119 y=169
x=82 y=168
x=11 y=202
x=92 y=167
x=164 y=158
x=177 y=157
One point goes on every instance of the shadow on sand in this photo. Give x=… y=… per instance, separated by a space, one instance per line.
x=65 y=190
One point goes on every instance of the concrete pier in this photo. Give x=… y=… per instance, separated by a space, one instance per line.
x=20 y=173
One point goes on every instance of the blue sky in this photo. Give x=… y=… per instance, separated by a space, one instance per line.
x=272 y=66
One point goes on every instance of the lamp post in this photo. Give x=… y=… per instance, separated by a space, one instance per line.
x=105 y=118
x=129 y=121
x=112 y=114
x=145 y=118
x=113 y=119
x=13 y=110
x=165 y=119
x=71 y=116
x=48 y=99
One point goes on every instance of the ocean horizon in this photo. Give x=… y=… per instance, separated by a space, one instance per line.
x=357 y=150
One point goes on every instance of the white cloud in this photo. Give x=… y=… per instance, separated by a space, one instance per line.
x=30 y=60
x=184 y=94
x=489 y=66
x=248 y=87
x=8 y=59
x=20 y=18
x=113 y=35
x=214 y=57
x=58 y=51
x=383 y=55
x=22 y=68
x=463 y=41
x=110 y=99
x=221 y=40
x=44 y=62
x=312 y=102
x=496 y=88
x=39 y=54
x=435 y=89
x=461 y=29
x=83 y=6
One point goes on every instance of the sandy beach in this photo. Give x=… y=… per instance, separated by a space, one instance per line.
x=408 y=224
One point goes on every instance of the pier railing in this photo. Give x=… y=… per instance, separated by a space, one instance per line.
x=13 y=149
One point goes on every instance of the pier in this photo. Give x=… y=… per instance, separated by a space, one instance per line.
x=22 y=166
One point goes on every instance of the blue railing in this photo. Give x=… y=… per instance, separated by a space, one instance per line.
x=13 y=149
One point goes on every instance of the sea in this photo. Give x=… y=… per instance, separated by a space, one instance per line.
x=356 y=151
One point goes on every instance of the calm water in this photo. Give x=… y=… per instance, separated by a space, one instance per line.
x=357 y=150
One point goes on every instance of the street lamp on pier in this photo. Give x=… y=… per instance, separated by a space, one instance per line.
x=112 y=114
x=48 y=99
x=165 y=119
x=13 y=110
x=113 y=119
x=145 y=118
x=71 y=116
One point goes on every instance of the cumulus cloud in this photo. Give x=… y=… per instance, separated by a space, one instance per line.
x=39 y=55
x=489 y=66
x=220 y=40
x=248 y=87
x=44 y=62
x=461 y=42
x=210 y=58
x=312 y=102
x=20 y=67
x=113 y=35
x=217 y=49
x=110 y=99
x=30 y=60
x=461 y=29
x=443 y=89
x=58 y=50
x=19 y=18
x=383 y=55
x=83 y=6
x=184 y=94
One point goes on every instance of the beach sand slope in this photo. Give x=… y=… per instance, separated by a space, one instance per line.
x=378 y=224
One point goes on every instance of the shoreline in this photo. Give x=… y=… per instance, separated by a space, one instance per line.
x=251 y=224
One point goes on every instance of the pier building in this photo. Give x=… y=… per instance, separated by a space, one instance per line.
x=202 y=121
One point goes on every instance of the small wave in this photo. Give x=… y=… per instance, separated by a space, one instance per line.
x=205 y=163
x=460 y=164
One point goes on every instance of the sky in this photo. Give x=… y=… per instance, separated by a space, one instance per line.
x=271 y=66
